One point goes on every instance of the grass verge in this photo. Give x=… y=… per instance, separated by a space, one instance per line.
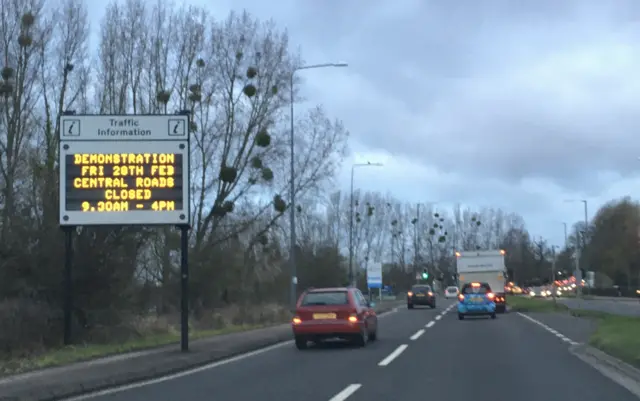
x=78 y=353
x=526 y=304
x=618 y=336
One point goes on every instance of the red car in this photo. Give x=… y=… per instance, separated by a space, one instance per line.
x=324 y=313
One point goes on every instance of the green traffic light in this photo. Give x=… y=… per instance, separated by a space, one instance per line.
x=425 y=275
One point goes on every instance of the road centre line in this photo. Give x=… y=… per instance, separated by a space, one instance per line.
x=386 y=361
x=417 y=335
x=438 y=317
x=346 y=392
x=430 y=324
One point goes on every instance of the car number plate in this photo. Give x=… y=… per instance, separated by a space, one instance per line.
x=419 y=295
x=319 y=316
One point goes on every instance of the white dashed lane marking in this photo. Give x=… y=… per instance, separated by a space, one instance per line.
x=393 y=355
x=549 y=329
x=346 y=393
x=420 y=332
x=417 y=335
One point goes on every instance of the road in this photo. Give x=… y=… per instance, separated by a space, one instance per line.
x=421 y=354
x=626 y=307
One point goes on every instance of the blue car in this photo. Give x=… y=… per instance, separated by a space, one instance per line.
x=476 y=299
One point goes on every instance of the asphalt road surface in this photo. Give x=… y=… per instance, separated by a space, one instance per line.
x=421 y=354
x=626 y=307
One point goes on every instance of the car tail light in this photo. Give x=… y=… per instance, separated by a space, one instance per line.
x=461 y=297
x=353 y=318
x=490 y=295
x=410 y=293
x=296 y=320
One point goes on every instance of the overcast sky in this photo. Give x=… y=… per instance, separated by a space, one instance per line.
x=505 y=103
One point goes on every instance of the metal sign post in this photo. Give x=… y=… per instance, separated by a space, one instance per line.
x=125 y=170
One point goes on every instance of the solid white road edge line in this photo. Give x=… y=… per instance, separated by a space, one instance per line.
x=431 y=323
x=393 y=355
x=179 y=375
x=213 y=365
x=549 y=329
x=346 y=393
x=417 y=335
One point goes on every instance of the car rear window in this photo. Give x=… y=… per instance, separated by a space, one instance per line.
x=325 y=298
x=482 y=289
x=420 y=288
x=452 y=289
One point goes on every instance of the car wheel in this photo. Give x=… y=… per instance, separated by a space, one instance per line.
x=374 y=335
x=362 y=339
x=301 y=342
x=493 y=315
x=460 y=316
x=409 y=306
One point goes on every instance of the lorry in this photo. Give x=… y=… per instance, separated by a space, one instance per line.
x=484 y=267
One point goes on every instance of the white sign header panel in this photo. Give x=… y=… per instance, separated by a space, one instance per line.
x=124 y=183
x=124 y=127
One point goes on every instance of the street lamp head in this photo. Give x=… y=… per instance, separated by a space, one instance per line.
x=367 y=164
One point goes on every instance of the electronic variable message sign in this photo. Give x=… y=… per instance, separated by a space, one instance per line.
x=124 y=170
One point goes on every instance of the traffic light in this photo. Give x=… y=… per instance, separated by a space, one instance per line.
x=425 y=274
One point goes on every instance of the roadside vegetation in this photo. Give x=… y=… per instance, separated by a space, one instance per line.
x=83 y=352
x=618 y=336
x=157 y=333
x=526 y=304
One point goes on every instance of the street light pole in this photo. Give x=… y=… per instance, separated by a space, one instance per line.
x=292 y=186
x=584 y=242
x=578 y=273
x=416 y=228
x=565 y=234
x=352 y=277
x=553 y=273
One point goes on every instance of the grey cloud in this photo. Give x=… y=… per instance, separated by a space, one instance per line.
x=489 y=91
x=459 y=103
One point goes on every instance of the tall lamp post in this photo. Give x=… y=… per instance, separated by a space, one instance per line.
x=584 y=243
x=292 y=195
x=352 y=277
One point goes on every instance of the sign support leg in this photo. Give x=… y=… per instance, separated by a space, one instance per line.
x=68 y=283
x=184 y=282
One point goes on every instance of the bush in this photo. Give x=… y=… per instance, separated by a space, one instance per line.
x=28 y=326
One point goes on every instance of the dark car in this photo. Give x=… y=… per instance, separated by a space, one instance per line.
x=326 y=313
x=421 y=295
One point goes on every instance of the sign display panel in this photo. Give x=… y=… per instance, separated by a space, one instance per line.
x=374 y=275
x=111 y=181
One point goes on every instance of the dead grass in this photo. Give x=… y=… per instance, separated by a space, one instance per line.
x=139 y=333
